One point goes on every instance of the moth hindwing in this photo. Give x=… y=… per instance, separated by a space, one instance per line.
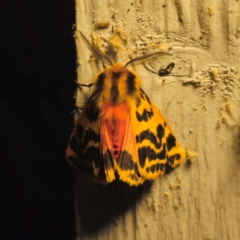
x=121 y=132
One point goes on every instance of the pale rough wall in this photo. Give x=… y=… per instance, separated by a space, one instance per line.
x=201 y=102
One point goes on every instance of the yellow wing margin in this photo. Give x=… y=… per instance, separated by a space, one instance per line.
x=157 y=148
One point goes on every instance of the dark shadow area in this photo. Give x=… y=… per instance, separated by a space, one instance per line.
x=37 y=73
x=98 y=205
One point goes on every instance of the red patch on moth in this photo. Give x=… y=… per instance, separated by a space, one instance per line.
x=114 y=119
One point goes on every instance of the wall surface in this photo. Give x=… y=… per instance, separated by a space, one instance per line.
x=200 y=99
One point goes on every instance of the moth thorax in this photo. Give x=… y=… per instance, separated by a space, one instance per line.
x=114 y=111
x=117 y=85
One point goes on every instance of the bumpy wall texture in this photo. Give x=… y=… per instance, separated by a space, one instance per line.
x=200 y=99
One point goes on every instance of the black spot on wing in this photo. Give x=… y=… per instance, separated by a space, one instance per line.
x=131 y=83
x=138 y=102
x=170 y=162
x=147 y=152
x=171 y=142
x=160 y=131
x=168 y=169
x=89 y=135
x=148 y=135
x=160 y=167
x=107 y=160
x=145 y=116
x=126 y=163
x=174 y=158
x=156 y=168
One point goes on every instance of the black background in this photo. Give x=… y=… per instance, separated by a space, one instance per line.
x=37 y=73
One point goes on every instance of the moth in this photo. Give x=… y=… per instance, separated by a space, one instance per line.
x=120 y=133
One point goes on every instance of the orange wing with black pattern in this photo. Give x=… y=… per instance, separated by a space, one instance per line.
x=157 y=147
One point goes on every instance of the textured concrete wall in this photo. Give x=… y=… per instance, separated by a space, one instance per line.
x=201 y=198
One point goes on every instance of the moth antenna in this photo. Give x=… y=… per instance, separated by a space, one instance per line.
x=76 y=109
x=146 y=56
x=96 y=52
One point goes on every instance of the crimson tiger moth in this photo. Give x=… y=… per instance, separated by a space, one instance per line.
x=120 y=133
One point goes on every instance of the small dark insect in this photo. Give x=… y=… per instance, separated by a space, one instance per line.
x=167 y=70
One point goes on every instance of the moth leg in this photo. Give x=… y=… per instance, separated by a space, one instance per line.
x=77 y=110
